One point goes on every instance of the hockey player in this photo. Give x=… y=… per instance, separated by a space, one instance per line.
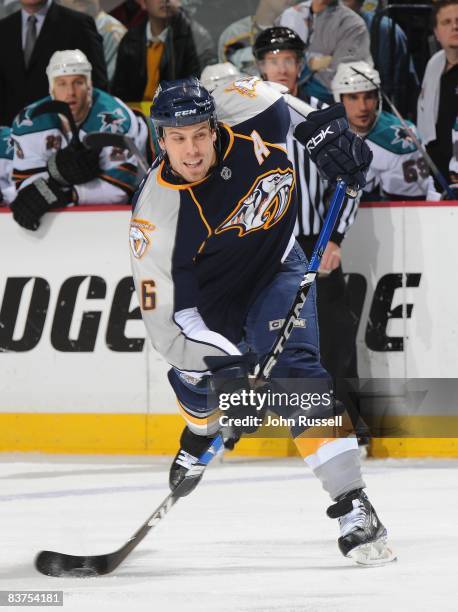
x=51 y=170
x=398 y=170
x=214 y=261
x=7 y=189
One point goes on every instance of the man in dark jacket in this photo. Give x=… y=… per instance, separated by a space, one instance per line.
x=163 y=48
x=28 y=38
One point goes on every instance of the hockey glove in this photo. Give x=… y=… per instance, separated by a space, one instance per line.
x=236 y=396
x=33 y=201
x=74 y=165
x=335 y=149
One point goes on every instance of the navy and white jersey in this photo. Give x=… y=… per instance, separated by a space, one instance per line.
x=7 y=188
x=202 y=252
x=313 y=192
x=37 y=138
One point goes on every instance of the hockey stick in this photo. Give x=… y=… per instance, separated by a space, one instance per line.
x=53 y=563
x=432 y=166
x=98 y=140
x=60 y=108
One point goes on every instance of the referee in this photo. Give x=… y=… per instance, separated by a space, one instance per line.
x=279 y=54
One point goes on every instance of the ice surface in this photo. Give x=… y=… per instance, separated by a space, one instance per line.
x=253 y=537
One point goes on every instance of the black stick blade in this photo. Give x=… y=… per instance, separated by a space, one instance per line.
x=98 y=140
x=52 y=563
x=61 y=108
x=52 y=106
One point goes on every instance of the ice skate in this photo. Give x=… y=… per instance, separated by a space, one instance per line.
x=185 y=462
x=363 y=536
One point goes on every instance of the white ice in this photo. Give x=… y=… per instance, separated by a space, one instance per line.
x=253 y=537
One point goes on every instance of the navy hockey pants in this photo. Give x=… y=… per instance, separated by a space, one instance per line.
x=300 y=357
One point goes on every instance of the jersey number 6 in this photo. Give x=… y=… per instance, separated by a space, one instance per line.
x=148 y=295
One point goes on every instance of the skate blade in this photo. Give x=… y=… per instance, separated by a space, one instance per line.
x=372 y=554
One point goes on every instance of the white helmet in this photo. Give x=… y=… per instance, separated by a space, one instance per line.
x=347 y=79
x=63 y=63
x=215 y=74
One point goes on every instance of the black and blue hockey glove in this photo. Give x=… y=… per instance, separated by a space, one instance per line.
x=74 y=165
x=34 y=200
x=335 y=149
x=231 y=387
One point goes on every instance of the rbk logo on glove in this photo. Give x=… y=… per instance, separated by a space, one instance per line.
x=335 y=149
x=316 y=140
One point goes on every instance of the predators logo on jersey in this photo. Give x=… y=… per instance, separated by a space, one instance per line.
x=139 y=236
x=245 y=86
x=264 y=204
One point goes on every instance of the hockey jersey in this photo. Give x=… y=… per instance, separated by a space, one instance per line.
x=202 y=252
x=7 y=189
x=398 y=169
x=37 y=138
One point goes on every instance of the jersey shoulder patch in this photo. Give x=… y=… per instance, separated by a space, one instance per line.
x=6 y=143
x=24 y=123
x=241 y=99
x=389 y=134
x=107 y=114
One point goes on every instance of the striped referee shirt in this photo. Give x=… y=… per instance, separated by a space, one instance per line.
x=313 y=193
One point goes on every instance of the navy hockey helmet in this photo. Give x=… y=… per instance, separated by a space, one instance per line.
x=180 y=103
x=277 y=38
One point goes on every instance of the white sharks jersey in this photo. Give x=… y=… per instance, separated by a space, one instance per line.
x=398 y=169
x=7 y=189
x=37 y=138
x=202 y=252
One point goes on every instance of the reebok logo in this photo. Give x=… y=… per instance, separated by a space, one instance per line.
x=316 y=140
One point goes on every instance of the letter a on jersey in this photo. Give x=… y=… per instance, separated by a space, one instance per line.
x=264 y=204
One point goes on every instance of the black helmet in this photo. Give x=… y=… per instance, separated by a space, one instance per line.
x=277 y=38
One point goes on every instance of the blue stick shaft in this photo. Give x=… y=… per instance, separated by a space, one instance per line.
x=328 y=226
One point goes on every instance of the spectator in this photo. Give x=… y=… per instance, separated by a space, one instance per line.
x=237 y=39
x=28 y=38
x=7 y=189
x=333 y=34
x=391 y=56
x=130 y=13
x=438 y=100
x=398 y=171
x=279 y=55
x=162 y=48
x=110 y=29
x=51 y=167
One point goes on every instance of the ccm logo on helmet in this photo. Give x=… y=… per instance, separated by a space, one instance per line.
x=316 y=140
x=191 y=111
